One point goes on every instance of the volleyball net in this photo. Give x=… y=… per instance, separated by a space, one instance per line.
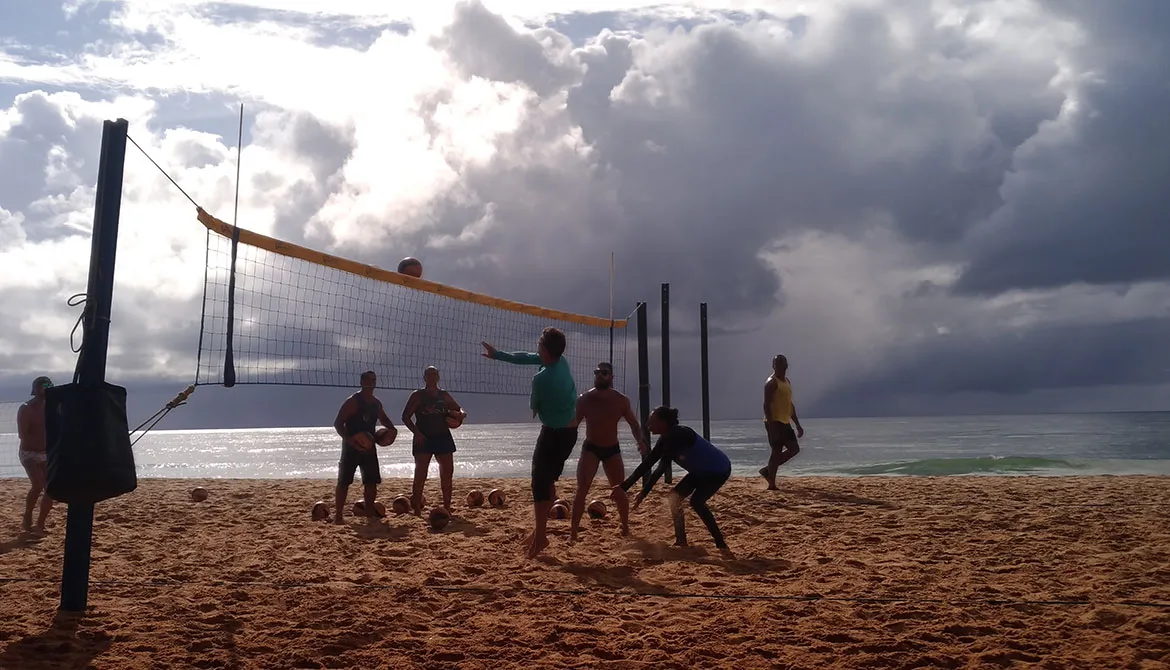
x=281 y=314
x=9 y=440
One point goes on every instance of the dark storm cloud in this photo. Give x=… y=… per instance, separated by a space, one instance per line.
x=1088 y=201
x=698 y=161
x=1041 y=358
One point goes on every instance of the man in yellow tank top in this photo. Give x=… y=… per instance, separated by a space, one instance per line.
x=779 y=419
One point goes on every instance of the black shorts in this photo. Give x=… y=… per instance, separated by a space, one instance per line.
x=352 y=459
x=602 y=453
x=435 y=445
x=781 y=434
x=553 y=448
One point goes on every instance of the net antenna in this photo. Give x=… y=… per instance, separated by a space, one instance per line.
x=611 y=286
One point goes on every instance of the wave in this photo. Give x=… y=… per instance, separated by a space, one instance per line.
x=940 y=467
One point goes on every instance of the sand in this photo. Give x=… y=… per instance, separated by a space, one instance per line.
x=961 y=572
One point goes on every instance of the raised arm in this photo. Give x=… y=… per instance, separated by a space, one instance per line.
x=516 y=357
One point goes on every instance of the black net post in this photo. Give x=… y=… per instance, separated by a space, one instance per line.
x=643 y=379
x=703 y=369
x=91 y=364
x=668 y=475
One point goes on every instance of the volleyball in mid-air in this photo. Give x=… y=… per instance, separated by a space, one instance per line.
x=410 y=266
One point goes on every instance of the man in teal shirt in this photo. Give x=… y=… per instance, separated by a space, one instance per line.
x=554 y=401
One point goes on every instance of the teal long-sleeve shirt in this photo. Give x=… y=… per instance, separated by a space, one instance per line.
x=554 y=393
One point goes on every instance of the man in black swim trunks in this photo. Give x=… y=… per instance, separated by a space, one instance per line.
x=601 y=408
x=360 y=414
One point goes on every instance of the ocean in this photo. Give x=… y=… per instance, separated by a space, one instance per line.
x=1048 y=445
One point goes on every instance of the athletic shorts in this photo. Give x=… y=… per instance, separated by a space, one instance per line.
x=352 y=460
x=438 y=444
x=780 y=434
x=553 y=448
x=602 y=453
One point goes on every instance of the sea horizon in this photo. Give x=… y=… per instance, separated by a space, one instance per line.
x=1064 y=444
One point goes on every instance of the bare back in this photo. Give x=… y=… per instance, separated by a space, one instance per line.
x=30 y=422
x=602 y=410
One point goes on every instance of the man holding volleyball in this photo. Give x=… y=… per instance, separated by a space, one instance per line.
x=356 y=423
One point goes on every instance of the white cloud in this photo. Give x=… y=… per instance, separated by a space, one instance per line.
x=868 y=138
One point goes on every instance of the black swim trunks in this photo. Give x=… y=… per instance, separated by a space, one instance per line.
x=553 y=448
x=602 y=453
x=352 y=460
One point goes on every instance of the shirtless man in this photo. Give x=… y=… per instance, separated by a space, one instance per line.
x=601 y=408
x=30 y=425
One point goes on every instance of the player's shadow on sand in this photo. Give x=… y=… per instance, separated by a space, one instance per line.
x=381 y=531
x=614 y=577
x=22 y=541
x=64 y=644
x=735 y=563
x=461 y=525
x=821 y=495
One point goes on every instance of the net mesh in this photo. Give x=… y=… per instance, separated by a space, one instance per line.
x=9 y=441
x=288 y=315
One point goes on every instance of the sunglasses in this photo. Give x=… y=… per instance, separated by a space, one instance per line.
x=603 y=372
x=46 y=385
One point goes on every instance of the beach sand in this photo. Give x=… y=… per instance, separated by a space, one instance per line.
x=960 y=572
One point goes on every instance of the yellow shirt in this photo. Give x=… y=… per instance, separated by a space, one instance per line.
x=781 y=406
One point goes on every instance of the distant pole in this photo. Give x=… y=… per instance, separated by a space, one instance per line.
x=611 y=259
x=643 y=379
x=666 y=361
x=703 y=365
x=91 y=365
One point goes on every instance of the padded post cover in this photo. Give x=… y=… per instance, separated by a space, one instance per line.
x=88 y=452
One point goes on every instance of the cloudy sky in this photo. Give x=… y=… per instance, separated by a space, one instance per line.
x=931 y=206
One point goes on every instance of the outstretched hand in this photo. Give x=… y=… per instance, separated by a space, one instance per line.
x=488 y=350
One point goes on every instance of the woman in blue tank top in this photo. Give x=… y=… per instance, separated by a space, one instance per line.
x=708 y=469
x=425 y=415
